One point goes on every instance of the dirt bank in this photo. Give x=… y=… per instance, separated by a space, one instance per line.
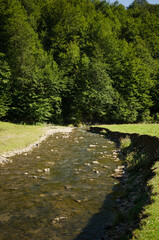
x=135 y=191
x=4 y=158
x=146 y=143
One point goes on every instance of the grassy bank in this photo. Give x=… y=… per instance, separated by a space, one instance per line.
x=145 y=212
x=149 y=227
x=15 y=136
x=142 y=129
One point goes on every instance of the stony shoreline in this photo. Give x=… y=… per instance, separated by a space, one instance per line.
x=135 y=192
x=5 y=157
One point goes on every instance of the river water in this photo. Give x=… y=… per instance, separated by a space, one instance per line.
x=59 y=191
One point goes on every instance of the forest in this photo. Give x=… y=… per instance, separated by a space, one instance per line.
x=79 y=61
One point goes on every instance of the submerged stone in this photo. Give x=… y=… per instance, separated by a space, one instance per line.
x=95 y=162
x=46 y=170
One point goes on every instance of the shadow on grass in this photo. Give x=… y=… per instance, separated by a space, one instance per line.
x=119 y=219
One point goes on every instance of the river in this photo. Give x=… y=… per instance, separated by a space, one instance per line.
x=62 y=190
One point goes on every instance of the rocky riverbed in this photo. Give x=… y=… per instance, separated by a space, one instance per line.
x=61 y=189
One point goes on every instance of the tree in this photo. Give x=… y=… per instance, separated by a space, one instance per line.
x=78 y=61
x=138 y=4
x=5 y=76
x=29 y=68
x=131 y=73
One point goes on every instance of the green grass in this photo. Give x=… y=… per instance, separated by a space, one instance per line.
x=16 y=136
x=142 y=129
x=149 y=227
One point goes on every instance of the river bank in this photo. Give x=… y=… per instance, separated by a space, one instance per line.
x=137 y=203
x=26 y=138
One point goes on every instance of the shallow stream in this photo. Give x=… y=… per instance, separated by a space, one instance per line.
x=59 y=191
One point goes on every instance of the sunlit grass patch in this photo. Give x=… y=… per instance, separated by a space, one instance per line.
x=142 y=129
x=16 y=136
x=125 y=142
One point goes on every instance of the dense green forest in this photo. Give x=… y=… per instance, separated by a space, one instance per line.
x=79 y=61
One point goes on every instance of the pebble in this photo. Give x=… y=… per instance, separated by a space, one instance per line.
x=117 y=160
x=118 y=170
x=118 y=176
x=65 y=136
x=42 y=195
x=121 y=167
x=114 y=153
x=51 y=163
x=106 y=167
x=46 y=170
x=95 y=162
x=77 y=200
x=58 y=219
x=95 y=171
x=14 y=188
x=87 y=164
x=68 y=187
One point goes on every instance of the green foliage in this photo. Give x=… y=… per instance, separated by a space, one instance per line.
x=79 y=61
x=5 y=74
x=34 y=73
x=125 y=142
x=138 y=3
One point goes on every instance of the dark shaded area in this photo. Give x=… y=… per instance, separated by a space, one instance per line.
x=132 y=193
x=107 y=216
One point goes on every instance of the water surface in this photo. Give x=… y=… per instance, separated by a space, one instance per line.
x=59 y=191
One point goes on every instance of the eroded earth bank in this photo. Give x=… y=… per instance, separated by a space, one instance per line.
x=138 y=154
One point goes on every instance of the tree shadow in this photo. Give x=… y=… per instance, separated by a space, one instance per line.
x=107 y=216
x=122 y=210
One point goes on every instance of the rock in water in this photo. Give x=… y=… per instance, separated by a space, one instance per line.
x=47 y=170
x=95 y=162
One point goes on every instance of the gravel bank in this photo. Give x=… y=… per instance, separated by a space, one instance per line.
x=4 y=158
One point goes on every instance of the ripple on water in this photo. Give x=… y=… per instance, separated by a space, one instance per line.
x=60 y=191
